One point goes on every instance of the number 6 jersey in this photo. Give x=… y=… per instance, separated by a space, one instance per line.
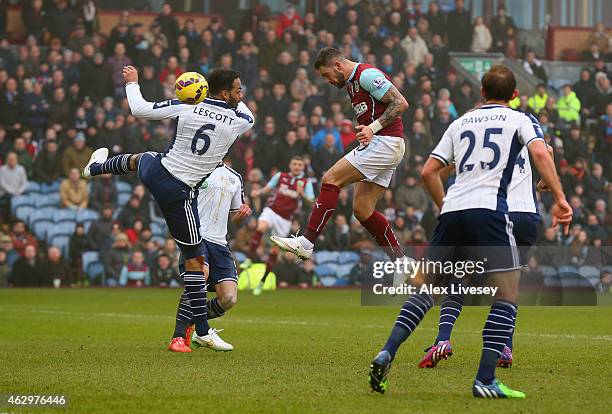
x=484 y=145
x=203 y=132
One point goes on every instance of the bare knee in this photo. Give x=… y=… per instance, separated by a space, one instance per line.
x=229 y=301
x=330 y=178
x=362 y=212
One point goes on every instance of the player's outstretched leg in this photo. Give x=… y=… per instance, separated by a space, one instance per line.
x=270 y=263
x=450 y=308
x=412 y=313
x=118 y=165
x=495 y=335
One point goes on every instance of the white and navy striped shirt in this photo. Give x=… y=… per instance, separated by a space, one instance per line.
x=522 y=189
x=203 y=132
x=484 y=145
x=221 y=193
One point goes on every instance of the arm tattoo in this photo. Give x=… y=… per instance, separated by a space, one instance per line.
x=395 y=106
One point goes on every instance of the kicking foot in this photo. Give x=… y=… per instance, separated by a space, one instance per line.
x=495 y=390
x=505 y=360
x=258 y=289
x=178 y=345
x=379 y=371
x=293 y=245
x=98 y=157
x=212 y=340
x=436 y=353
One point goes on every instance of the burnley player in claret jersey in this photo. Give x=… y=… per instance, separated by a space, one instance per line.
x=378 y=106
x=288 y=189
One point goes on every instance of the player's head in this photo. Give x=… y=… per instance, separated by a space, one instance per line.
x=499 y=84
x=297 y=165
x=225 y=84
x=331 y=64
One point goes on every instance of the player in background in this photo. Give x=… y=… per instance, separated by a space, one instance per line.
x=378 y=106
x=289 y=189
x=484 y=144
x=203 y=135
x=525 y=217
x=220 y=195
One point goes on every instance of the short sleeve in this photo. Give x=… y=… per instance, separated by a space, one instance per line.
x=309 y=190
x=529 y=130
x=444 y=151
x=375 y=82
x=237 y=199
x=274 y=180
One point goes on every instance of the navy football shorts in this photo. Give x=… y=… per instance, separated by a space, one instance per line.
x=177 y=201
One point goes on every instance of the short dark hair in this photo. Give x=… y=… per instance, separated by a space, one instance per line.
x=499 y=83
x=221 y=80
x=326 y=56
x=297 y=158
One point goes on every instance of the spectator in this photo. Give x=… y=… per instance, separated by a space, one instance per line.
x=73 y=191
x=116 y=258
x=28 y=270
x=411 y=194
x=348 y=136
x=24 y=157
x=585 y=91
x=300 y=86
x=414 y=47
x=248 y=65
x=319 y=138
x=481 y=38
x=21 y=238
x=150 y=87
x=135 y=209
x=168 y=23
x=327 y=155
x=600 y=37
x=575 y=147
x=269 y=50
x=460 y=22
x=95 y=80
x=61 y=19
x=337 y=237
x=77 y=245
x=538 y=101
x=10 y=104
x=56 y=267
x=534 y=67
x=103 y=193
x=77 y=155
x=164 y=274
x=99 y=235
x=569 y=106
x=115 y=65
x=502 y=29
x=289 y=273
x=242 y=239
x=135 y=272
x=13 y=182
x=48 y=164
x=437 y=20
x=603 y=95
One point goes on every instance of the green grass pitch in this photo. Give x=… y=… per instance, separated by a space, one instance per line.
x=295 y=352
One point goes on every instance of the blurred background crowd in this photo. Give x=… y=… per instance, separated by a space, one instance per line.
x=62 y=96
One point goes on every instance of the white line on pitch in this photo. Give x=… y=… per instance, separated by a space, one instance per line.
x=288 y=322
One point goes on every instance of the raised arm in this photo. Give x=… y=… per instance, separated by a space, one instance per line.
x=141 y=108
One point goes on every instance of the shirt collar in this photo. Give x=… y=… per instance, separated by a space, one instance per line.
x=353 y=72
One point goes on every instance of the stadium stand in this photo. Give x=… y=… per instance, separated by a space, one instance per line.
x=62 y=96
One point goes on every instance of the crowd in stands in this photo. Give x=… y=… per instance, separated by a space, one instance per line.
x=62 y=96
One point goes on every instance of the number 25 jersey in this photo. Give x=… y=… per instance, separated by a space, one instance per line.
x=484 y=145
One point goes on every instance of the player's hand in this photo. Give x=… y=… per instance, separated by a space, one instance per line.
x=562 y=214
x=542 y=186
x=130 y=74
x=243 y=211
x=300 y=189
x=255 y=193
x=364 y=134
